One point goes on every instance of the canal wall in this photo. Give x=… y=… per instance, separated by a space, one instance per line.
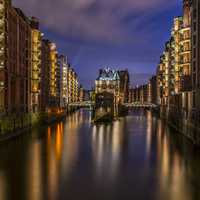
x=14 y=125
x=182 y=122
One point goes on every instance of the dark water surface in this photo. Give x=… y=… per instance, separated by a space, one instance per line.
x=136 y=158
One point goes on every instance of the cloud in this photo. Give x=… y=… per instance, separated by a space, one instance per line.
x=98 y=20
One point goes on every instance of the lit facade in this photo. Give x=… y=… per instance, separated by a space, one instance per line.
x=36 y=51
x=108 y=81
x=33 y=78
x=53 y=80
x=73 y=85
x=175 y=55
x=140 y=94
x=174 y=85
x=58 y=83
x=185 y=60
x=63 y=65
x=107 y=92
x=76 y=88
x=65 y=83
x=163 y=73
x=70 y=84
x=185 y=50
x=159 y=75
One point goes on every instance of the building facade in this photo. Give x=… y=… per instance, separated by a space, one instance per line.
x=15 y=60
x=185 y=60
x=196 y=55
x=73 y=85
x=63 y=66
x=175 y=45
x=124 y=85
x=140 y=94
x=54 y=72
x=108 y=81
x=131 y=95
x=163 y=76
x=174 y=73
x=45 y=76
x=81 y=94
x=36 y=53
x=33 y=79
x=152 y=90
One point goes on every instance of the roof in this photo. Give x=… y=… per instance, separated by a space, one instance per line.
x=108 y=74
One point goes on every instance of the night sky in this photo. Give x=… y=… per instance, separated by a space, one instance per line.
x=97 y=33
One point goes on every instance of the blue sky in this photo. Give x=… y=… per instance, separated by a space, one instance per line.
x=128 y=34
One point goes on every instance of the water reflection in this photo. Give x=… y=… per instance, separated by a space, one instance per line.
x=106 y=146
x=34 y=173
x=62 y=148
x=53 y=149
x=70 y=149
x=3 y=185
x=75 y=159
x=171 y=169
x=149 y=132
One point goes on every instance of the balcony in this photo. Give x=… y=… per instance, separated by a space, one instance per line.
x=185 y=49
x=185 y=62
x=185 y=40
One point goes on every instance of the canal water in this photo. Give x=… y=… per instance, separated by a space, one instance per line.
x=136 y=157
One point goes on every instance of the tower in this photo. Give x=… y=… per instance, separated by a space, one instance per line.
x=186 y=13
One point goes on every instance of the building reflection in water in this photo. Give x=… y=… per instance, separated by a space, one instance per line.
x=3 y=186
x=53 y=150
x=170 y=169
x=34 y=171
x=107 y=141
x=137 y=147
x=70 y=145
x=47 y=159
x=59 y=140
x=62 y=148
x=149 y=133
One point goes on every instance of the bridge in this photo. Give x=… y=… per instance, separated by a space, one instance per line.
x=83 y=104
x=140 y=105
x=89 y=104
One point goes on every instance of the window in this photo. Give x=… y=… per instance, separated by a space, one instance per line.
x=194 y=40
x=194 y=52
x=194 y=26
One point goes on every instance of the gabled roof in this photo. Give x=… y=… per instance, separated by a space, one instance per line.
x=108 y=74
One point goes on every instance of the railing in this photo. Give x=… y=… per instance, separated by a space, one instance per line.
x=81 y=104
x=12 y=123
x=134 y=104
x=140 y=105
